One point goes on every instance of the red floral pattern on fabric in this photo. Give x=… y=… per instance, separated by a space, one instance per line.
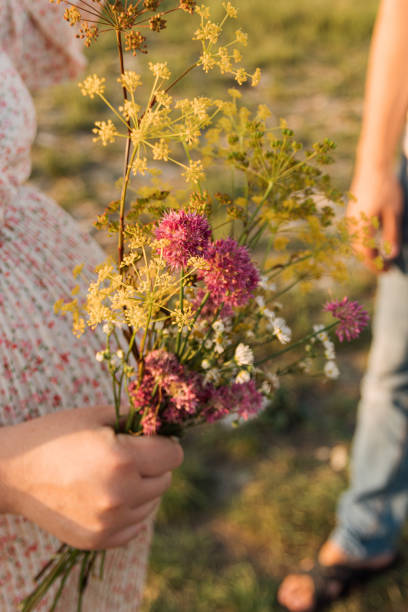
x=43 y=367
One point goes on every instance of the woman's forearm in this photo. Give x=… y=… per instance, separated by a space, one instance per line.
x=386 y=97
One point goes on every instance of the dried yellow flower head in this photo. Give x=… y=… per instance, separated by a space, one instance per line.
x=93 y=86
x=130 y=80
x=105 y=132
x=160 y=70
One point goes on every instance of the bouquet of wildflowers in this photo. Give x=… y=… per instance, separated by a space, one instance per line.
x=190 y=306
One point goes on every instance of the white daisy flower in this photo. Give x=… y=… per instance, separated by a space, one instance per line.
x=242 y=377
x=244 y=355
x=331 y=370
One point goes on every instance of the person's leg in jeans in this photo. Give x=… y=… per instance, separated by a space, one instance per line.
x=372 y=511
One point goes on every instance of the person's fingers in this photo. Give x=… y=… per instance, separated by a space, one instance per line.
x=391 y=232
x=362 y=232
x=133 y=491
x=136 y=524
x=153 y=455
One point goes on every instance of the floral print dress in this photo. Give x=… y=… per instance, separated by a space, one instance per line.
x=43 y=367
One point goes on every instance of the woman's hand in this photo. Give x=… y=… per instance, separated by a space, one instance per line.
x=70 y=474
x=376 y=194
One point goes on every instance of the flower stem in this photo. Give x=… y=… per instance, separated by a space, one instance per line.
x=296 y=344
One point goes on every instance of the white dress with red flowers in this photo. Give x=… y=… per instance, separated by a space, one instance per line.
x=43 y=367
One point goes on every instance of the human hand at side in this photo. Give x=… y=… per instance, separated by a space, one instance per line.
x=70 y=474
x=377 y=194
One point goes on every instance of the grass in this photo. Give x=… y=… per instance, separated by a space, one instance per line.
x=248 y=503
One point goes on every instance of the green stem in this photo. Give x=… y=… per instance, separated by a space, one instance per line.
x=295 y=345
x=179 y=335
x=197 y=314
x=252 y=221
x=190 y=357
x=71 y=563
x=126 y=163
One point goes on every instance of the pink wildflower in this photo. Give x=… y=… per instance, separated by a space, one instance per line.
x=242 y=399
x=142 y=394
x=181 y=391
x=352 y=318
x=162 y=365
x=150 y=423
x=247 y=400
x=184 y=235
x=231 y=276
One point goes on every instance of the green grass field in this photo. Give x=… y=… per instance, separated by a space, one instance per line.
x=249 y=503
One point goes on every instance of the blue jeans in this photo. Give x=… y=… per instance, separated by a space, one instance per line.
x=372 y=511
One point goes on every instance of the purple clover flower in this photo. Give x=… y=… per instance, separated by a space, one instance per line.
x=231 y=277
x=184 y=235
x=352 y=318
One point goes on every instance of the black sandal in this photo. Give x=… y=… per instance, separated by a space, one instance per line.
x=345 y=576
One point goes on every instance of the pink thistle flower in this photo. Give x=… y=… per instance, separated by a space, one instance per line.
x=182 y=390
x=352 y=318
x=239 y=398
x=150 y=423
x=246 y=398
x=218 y=405
x=161 y=365
x=142 y=394
x=184 y=235
x=231 y=277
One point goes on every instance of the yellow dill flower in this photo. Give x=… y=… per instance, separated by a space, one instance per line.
x=207 y=61
x=199 y=107
x=130 y=110
x=183 y=318
x=241 y=76
x=161 y=150
x=92 y=86
x=77 y=270
x=130 y=79
x=194 y=172
x=230 y=10
x=203 y=11
x=236 y=56
x=241 y=37
x=137 y=136
x=135 y=317
x=224 y=62
x=105 y=132
x=235 y=93
x=208 y=31
x=160 y=70
x=256 y=77
x=138 y=236
x=72 y=15
x=191 y=133
x=163 y=98
x=132 y=258
x=139 y=166
x=198 y=262
x=263 y=112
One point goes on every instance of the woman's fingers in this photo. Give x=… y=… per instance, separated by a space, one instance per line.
x=152 y=455
x=136 y=524
x=133 y=491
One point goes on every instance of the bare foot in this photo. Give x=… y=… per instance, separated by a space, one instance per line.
x=297 y=591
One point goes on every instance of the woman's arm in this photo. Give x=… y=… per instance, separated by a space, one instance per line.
x=71 y=475
x=375 y=185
